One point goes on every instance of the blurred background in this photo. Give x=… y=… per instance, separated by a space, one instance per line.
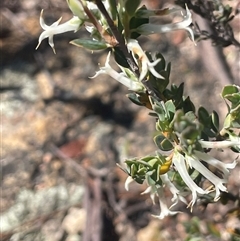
x=63 y=133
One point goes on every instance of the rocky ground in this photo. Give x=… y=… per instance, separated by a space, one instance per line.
x=63 y=134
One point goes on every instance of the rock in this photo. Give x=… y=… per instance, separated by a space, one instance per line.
x=75 y=221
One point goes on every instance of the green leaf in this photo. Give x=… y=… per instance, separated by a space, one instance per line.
x=233 y=118
x=113 y=9
x=162 y=143
x=76 y=8
x=166 y=145
x=168 y=69
x=203 y=116
x=178 y=94
x=158 y=85
x=133 y=170
x=90 y=44
x=134 y=98
x=163 y=126
x=159 y=109
x=209 y=132
x=149 y=180
x=142 y=171
x=147 y=158
x=134 y=23
x=120 y=57
x=170 y=107
x=153 y=162
x=227 y=122
x=229 y=89
x=162 y=64
x=144 y=163
x=215 y=121
x=190 y=133
x=195 y=175
x=188 y=105
x=131 y=6
x=141 y=99
x=234 y=98
x=191 y=116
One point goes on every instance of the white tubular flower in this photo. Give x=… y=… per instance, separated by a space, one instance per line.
x=120 y=77
x=175 y=192
x=152 y=190
x=179 y=162
x=223 y=167
x=157 y=191
x=128 y=181
x=49 y=31
x=235 y=140
x=216 y=181
x=165 y=211
x=220 y=144
x=146 y=65
x=147 y=29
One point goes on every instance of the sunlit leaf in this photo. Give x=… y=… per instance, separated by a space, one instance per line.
x=90 y=44
x=131 y=6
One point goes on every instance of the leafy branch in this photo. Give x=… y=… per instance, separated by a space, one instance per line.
x=185 y=135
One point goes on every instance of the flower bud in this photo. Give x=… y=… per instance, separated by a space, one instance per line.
x=76 y=8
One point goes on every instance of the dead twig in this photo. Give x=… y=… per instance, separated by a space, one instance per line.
x=92 y=178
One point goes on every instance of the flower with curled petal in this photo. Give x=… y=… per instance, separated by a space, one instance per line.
x=194 y=161
x=131 y=83
x=235 y=141
x=149 y=28
x=158 y=192
x=165 y=211
x=49 y=31
x=180 y=164
x=142 y=60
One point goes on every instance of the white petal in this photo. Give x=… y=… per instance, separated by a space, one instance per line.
x=148 y=190
x=216 y=163
x=49 y=31
x=120 y=77
x=147 y=29
x=41 y=21
x=179 y=163
x=128 y=181
x=170 y=186
x=153 y=71
x=164 y=210
x=145 y=64
x=152 y=191
x=217 y=182
x=218 y=144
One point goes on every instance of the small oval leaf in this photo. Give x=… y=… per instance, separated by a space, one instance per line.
x=90 y=44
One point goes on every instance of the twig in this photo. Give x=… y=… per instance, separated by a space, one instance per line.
x=96 y=217
x=78 y=168
x=214 y=61
x=92 y=198
x=124 y=49
x=92 y=205
x=83 y=171
x=119 y=37
x=109 y=39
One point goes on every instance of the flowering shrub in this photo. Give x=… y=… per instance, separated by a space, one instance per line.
x=185 y=136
